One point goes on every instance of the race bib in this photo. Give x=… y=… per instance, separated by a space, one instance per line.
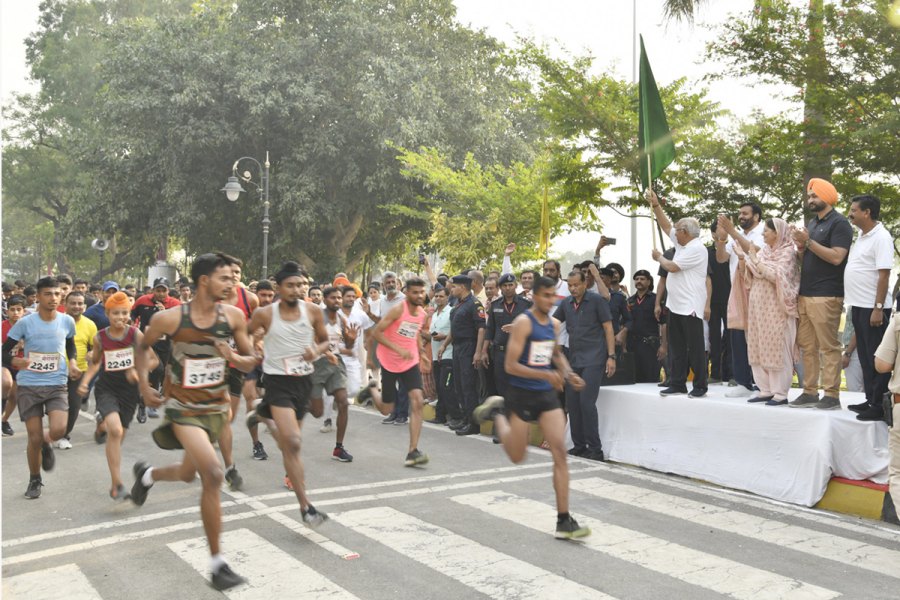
x=118 y=360
x=541 y=353
x=408 y=329
x=203 y=372
x=295 y=366
x=41 y=362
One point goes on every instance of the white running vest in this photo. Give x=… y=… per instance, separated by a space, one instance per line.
x=286 y=341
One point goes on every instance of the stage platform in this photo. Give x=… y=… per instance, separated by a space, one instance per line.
x=789 y=454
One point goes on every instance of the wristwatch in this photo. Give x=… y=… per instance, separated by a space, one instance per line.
x=879 y=305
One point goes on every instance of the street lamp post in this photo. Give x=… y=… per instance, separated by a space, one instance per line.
x=233 y=191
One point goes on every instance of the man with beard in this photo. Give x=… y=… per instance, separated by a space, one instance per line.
x=824 y=246
x=400 y=345
x=376 y=311
x=196 y=394
x=644 y=332
x=750 y=233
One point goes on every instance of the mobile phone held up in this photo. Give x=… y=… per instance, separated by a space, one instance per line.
x=421 y=258
x=610 y=241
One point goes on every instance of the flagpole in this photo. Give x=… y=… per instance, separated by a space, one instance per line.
x=652 y=212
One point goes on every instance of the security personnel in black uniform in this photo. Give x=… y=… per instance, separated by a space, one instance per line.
x=643 y=333
x=502 y=313
x=467 y=321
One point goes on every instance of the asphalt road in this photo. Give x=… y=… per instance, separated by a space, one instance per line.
x=467 y=525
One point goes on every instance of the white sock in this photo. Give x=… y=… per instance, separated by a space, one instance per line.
x=216 y=562
x=147 y=479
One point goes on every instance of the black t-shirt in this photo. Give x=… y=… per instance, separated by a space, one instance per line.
x=720 y=274
x=817 y=277
x=669 y=254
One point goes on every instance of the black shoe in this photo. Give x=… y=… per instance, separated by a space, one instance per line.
x=225 y=578
x=774 y=402
x=496 y=439
x=697 y=393
x=34 y=488
x=455 y=424
x=416 y=457
x=594 y=455
x=569 y=529
x=7 y=429
x=233 y=478
x=259 y=453
x=436 y=421
x=139 y=490
x=401 y=421
x=663 y=384
x=673 y=391
x=873 y=413
x=142 y=414
x=859 y=408
x=756 y=399
x=48 y=459
x=100 y=437
x=469 y=430
x=487 y=409
x=388 y=420
x=577 y=451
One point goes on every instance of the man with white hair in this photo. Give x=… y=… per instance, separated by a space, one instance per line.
x=686 y=287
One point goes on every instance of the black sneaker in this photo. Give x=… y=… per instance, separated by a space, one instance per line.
x=312 y=517
x=469 y=430
x=697 y=393
x=7 y=429
x=873 y=413
x=100 y=436
x=225 y=578
x=34 y=488
x=857 y=408
x=233 y=478
x=48 y=459
x=673 y=391
x=341 y=455
x=388 y=420
x=401 y=421
x=416 y=457
x=142 y=414
x=576 y=451
x=756 y=399
x=436 y=421
x=569 y=529
x=594 y=455
x=455 y=424
x=139 y=490
x=488 y=409
x=259 y=453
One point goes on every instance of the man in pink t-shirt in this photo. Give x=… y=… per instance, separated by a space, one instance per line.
x=399 y=352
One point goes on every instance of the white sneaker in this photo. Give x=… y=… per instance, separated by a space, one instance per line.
x=64 y=444
x=738 y=391
x=326 y=428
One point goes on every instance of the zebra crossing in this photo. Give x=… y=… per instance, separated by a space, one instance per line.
x=503 y=548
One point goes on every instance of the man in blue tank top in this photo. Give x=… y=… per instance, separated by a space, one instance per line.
x=537 y=370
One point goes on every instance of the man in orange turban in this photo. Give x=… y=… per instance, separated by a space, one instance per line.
x=823 y=190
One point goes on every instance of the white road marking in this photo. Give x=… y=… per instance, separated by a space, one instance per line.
x=809 y=541
x=270 y=571
x=484 y=569
x=66 y=582
x=714 y=573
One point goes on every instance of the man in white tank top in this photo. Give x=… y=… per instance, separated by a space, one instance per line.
x=295 y=337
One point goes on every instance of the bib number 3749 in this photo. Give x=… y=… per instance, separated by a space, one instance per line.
x=203 y=372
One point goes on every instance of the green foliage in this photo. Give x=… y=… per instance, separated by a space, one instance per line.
x=476 y=210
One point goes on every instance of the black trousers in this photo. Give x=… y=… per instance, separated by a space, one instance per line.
x=688 y=350
x=501 y=380
x=646 y=365
x=443 y=383
x=465 y=377
x=719 y=343
x=868 y=339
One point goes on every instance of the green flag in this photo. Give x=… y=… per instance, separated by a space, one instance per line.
x=654 y=139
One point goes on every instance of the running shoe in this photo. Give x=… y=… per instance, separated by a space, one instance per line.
x=288 y=484
x=48 y=459
x=34 y=488
x=225 y=578
x=252 y=420
x=487 y=409
x=139 y=490
x=234 y=479
x=152 y=413
x=7 y=429
x=64 y=444
x=259 y=453
x=312 y=517
x=568 y=529
x=415 y=458
x=341 y=454
x=120 y=494
x=326 y=427
x=388 y=420
x=401 y=421
x=100 y=436
x=142 y=414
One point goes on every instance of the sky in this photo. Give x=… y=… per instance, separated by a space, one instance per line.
x=601 y=28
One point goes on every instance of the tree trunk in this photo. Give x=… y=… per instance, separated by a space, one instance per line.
x=816 y=129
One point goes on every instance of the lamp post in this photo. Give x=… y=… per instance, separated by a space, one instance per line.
x=233 y=191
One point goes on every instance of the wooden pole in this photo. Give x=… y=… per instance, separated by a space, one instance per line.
x=652 y=211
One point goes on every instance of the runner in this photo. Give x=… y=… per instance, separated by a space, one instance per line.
x=15 y=310
x=295 y=336
x=330 y=375
x=266 y=295
x=247 y=302
x=196 y=393
x=532 y=390
x=116 y=392
x=157 y=300
x=399 y=349
x=85 y=330
x=49 y=338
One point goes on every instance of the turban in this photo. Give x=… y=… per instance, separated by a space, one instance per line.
x=824 y=190
x=359 y=292
x=340 y=282
x=118 y=300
